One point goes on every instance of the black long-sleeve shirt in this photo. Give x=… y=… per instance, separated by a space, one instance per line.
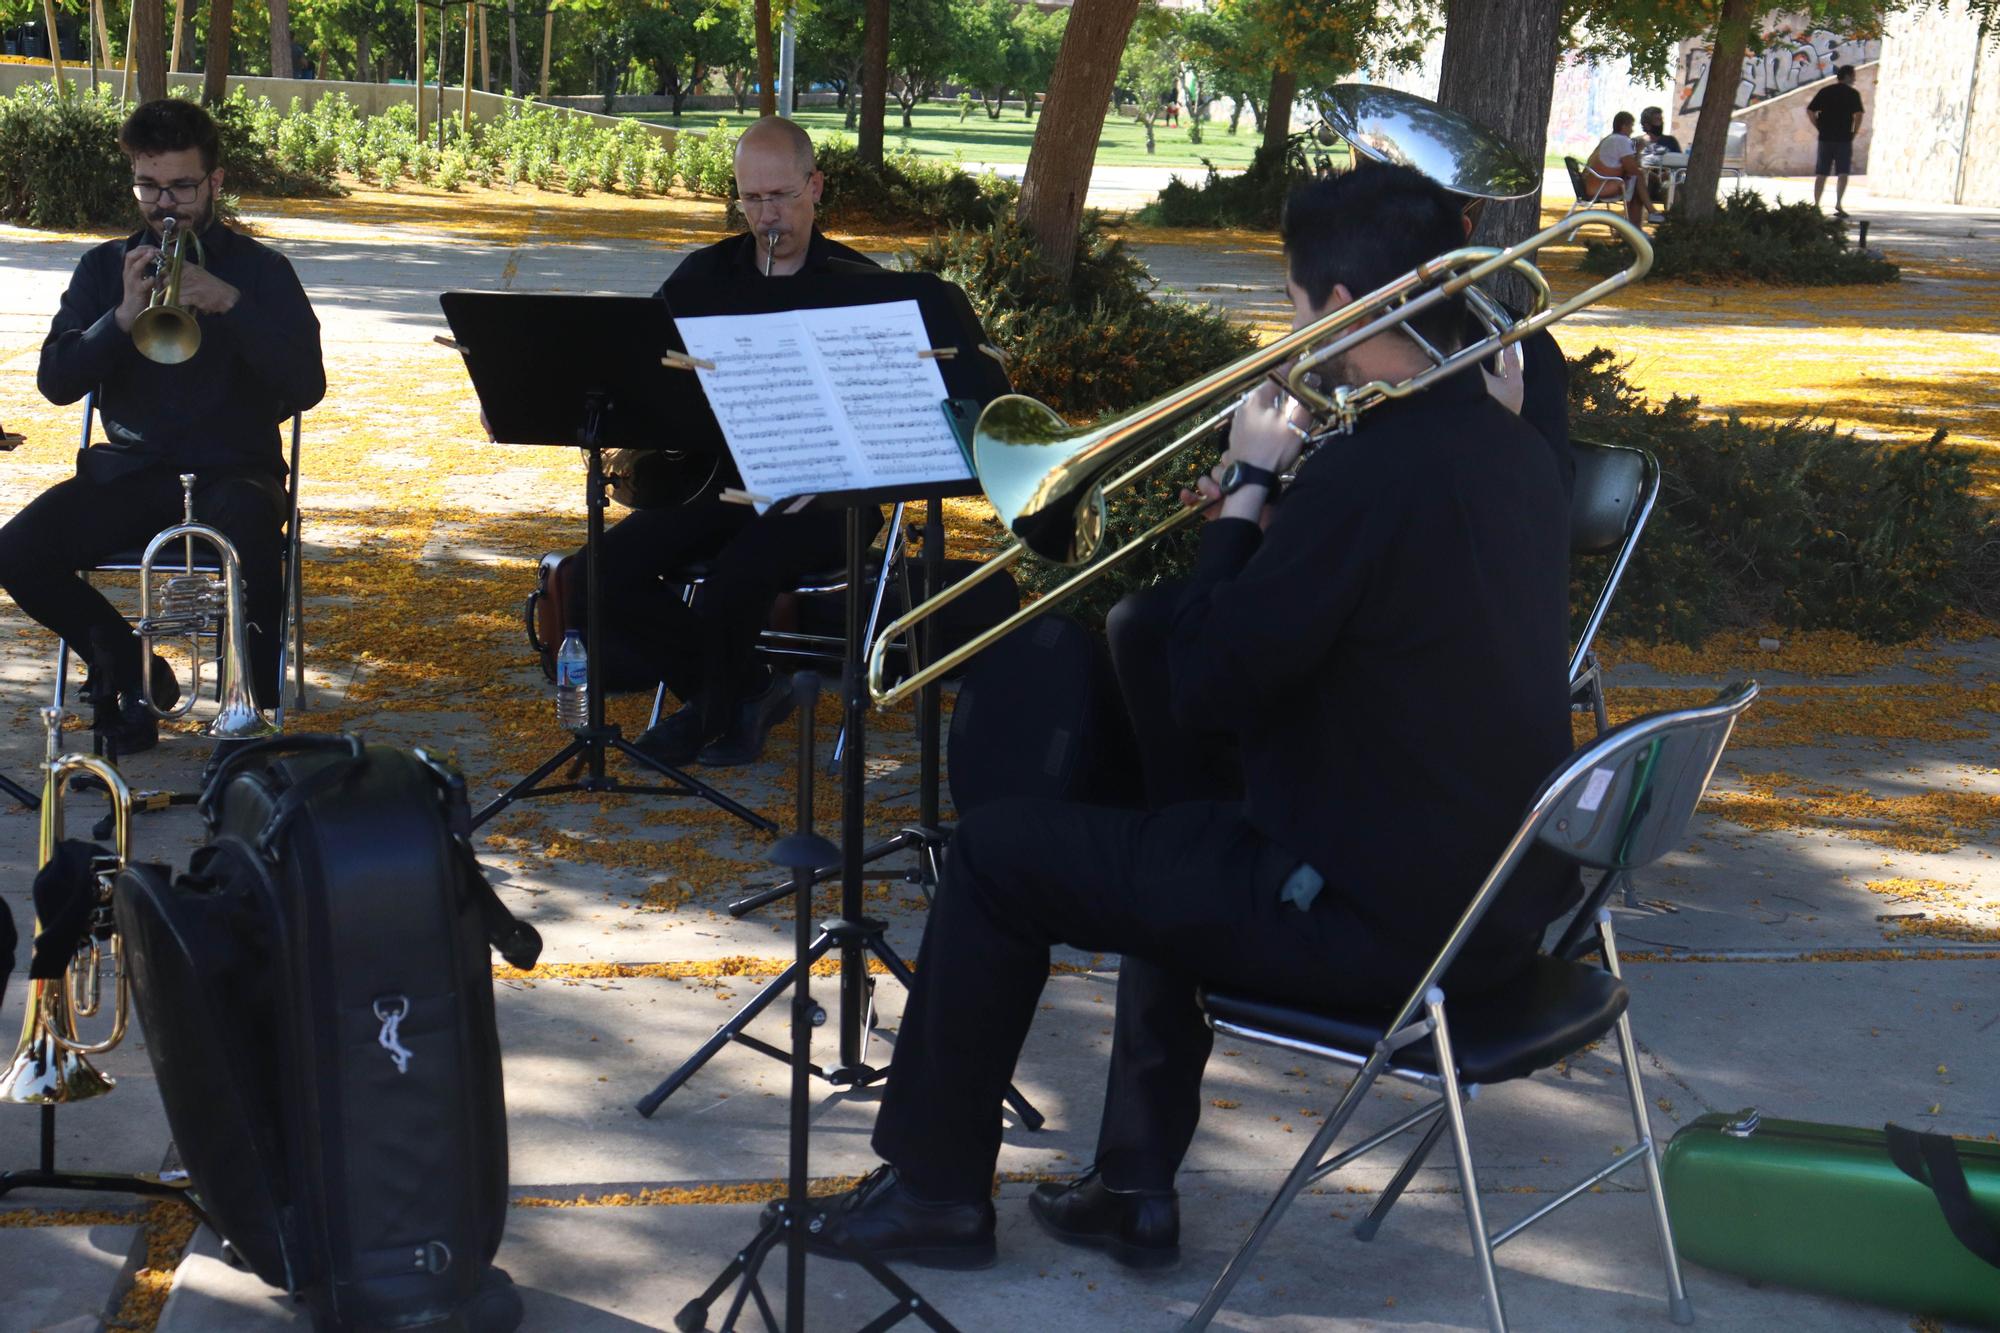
x=1391 y=656
x=736 y=257
x=257 y=365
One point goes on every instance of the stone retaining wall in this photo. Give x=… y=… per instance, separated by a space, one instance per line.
x=1939 y=116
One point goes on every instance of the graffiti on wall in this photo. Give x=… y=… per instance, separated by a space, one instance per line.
x=1791 y=58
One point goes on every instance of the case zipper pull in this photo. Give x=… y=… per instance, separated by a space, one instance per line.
x=392 y=1010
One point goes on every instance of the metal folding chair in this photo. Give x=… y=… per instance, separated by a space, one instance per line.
x=1613 y=497
x=291 y=640
x=1616 y=805
x=1587 y=190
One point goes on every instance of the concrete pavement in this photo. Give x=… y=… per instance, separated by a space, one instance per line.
x=1861 y=1041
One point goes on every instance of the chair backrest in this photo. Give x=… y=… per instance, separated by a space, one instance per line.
x=1619 y=803
x=1736 y=144
x=1616 y=486
x=1575 y=175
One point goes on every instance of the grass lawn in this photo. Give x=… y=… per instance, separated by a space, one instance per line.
x=935 y=132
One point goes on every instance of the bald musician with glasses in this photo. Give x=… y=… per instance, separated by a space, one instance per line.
x=729 y=701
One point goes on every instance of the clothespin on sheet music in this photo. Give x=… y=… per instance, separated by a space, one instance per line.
x=682 y=361
x=731 y=495
x=937 y=353
x=443 y=341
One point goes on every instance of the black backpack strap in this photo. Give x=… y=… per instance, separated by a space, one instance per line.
x=1932 y=1160
x=294 y=798
x=65 y=892
x=265 y=750
x=519 y=943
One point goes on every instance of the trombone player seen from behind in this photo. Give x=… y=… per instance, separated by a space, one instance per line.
x=249 y=356
x=1387 y=646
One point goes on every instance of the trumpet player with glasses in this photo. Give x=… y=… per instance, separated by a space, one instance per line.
x=1384 y=638
x=198 y=383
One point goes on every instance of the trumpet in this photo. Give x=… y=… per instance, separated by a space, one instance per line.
x=51 y=1065
x=1048 y=480
x=199 y=606
x=166 y=331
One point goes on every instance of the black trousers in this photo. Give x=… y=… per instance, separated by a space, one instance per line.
x=1186 y=894
x=707 y=653
x=83 y=521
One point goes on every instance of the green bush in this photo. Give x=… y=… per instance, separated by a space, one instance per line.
x=707 y=162
x=59 y=159
x=261 y=156
x=1747 y=238
x=1797 y=524
x=1250 y=198
x=906 y=190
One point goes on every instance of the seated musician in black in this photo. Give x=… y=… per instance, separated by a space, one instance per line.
x=1387 y=647
x=215 y=415
x=707 y=653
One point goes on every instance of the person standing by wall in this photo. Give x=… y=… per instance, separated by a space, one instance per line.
x=1835 y=112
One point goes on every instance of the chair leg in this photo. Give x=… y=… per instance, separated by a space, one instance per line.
x=62 y=673
x=1678 y=1306
x=1302 y=1172
x=1369 y=1225
x=1468 y=1181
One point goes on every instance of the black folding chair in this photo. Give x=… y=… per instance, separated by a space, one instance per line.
x=784 y=647
x=292 y=633
x=1616 y=486
x=1616 y=805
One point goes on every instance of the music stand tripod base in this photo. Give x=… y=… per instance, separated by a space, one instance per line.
x=46 y=1176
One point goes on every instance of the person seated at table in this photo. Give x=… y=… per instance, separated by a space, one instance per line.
x=1653 y=133
x=1613 y=171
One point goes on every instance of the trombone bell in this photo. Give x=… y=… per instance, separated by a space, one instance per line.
x=1027 y=458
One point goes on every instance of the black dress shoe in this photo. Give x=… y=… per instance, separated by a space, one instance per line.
x=676 y=739
x=131 y=729
x=883 y=1220
x=743 y=743
x=1138 y=1228
x=166 y=683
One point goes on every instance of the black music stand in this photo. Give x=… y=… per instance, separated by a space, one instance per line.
x=968 y=374
x=581 y=372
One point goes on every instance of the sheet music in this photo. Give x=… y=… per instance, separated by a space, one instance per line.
x=826 y=399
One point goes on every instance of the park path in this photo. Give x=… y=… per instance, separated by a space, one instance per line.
x=1856 y=812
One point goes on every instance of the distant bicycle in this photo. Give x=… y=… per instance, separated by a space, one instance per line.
x=1308 y=153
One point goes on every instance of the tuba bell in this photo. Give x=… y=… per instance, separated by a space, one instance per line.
x=166 y=331
x=52 y=1065
x=198 y=606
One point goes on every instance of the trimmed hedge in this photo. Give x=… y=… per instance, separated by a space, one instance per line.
x=1750 y=239
x=59 y=160
x=907 y=190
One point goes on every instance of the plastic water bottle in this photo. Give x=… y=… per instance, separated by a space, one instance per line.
x=572 y=683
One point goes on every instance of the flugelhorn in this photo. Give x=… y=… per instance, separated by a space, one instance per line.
x=166 y=331
x=52 y=1065
x=1048 y=479
x=197 y=606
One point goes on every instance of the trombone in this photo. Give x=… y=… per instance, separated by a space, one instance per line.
x=1048 y=480
x=196 y=605
x=166 y=331
x=51 y=1065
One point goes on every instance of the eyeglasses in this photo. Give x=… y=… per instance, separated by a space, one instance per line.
x=146 y=192
x=750 y=203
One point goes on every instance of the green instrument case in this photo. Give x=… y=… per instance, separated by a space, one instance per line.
x=1890 y=1216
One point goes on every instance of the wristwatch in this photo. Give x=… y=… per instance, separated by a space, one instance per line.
x=1238 y=475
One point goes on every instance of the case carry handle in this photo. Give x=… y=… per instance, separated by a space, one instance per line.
x=1932 y=1161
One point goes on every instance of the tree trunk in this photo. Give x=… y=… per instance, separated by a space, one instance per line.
x=1511 y=97
x=485 y=55
x=55 y=46
x=1256 y=113
x=149 y=43
x=767 y=85
x=1278 y=112
x=1065 y=147
x=178 y=53
x=513 y=51
x=1696 y=196
x=364 y=47
x=548 y=44
x=874 y=81
x=281 y=39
